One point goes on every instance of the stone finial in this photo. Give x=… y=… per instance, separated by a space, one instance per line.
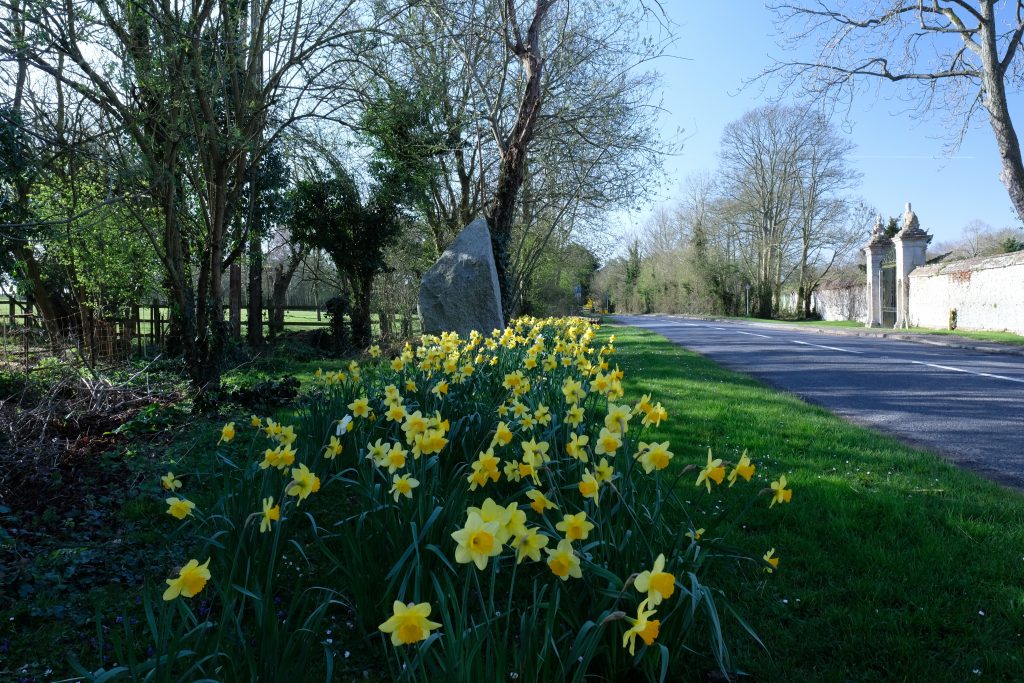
x=878 y=236
x=912 y=226
x=910 y=222
x=879 y=226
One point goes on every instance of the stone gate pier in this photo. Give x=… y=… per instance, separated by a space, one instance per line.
x=889 y=264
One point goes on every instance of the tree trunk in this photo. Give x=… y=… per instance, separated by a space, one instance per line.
x=362 y=325
x=254 y=307
x=515 y=147
x=995 y=102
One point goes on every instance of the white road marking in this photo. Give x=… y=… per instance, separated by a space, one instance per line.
x=830 y=348
x=754 y=334
x=969 y=372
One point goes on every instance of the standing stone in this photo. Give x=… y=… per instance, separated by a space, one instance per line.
x=460 y=292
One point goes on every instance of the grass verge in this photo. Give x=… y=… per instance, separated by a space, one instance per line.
x=895 y=565
x=989 y=336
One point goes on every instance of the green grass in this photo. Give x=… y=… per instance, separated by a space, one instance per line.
x=986 y=336
x=895 y=565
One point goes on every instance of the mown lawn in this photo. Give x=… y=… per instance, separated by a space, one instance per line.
x=894 y=564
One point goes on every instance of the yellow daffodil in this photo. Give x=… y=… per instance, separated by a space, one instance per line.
x=502 y=435
x=589 y=486
x=374 y=351
x=271 y=513
x=575 y=527
x=360 y=407
x=170 y=482
x=574 y=416
x=654 y=456
x=654 y=416
x=608 y=442
x=333 y=448
x=408 y=624
x=772 y=561
x=743 y=468
x=255 y=421
x=539 y=502
x=396 y=412
x=604 y=471
x=642 y=626
x=397 y=364
x=713 y=471
x=576 y=448
x=403 y=486
x=617 y=419
x=573 y=391
x=179 y=508
x=191 y=579
x=395 y=458
x=410 y=386
x=696 y=534
x=477 y=541
x=533 y=447
x=440 y=389
x=227 y=432
x=780 y=494
x=529 y=545
x=657 y=583
x=563 y=561
x=303 y=483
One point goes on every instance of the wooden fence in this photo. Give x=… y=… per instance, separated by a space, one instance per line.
x=144 y=326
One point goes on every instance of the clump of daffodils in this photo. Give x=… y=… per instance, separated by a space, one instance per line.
x=528 y=429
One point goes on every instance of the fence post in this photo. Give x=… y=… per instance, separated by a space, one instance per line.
x=136 y=328
x=10 y=310
x=235 y=300
x=155 y=324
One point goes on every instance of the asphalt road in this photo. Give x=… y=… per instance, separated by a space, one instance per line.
x=965 y=405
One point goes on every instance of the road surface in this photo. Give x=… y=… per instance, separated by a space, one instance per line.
x=966 y=405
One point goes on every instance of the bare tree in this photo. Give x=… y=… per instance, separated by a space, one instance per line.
x=956 y=55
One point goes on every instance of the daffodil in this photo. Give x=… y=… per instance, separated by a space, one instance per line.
x=589 y=486
x=576 y=448
x=743 y=468
x=502 y=435
x=396 y=412
x=654 y=416
x=529 y=545
x=360 y=407
x=170 y=482
x=191 y=579
x=408 y=623
x=573 y=391
x=563 y=561
x=539 y=502
x=654 y=456
x=477 y=541
x=696 y=534
x=604 y=471
x=255 y=421
x=617 y=419
x=780 y=494
x=712 y=471
x=397 y=364
x=179 y=508
x=656 y=582
x=303 y=483
x=608 y=442
x=271 y=513
x=227 y=432
x=642 y=626
x=772 y=561
x=374 y=351
x=440 y=389
x=575 y=527
x=333 y=448
x=574 y=416
x=403 y=486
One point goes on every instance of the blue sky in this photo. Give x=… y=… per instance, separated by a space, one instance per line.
x=718 y=46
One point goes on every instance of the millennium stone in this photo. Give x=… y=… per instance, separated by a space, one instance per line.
x=460 y=292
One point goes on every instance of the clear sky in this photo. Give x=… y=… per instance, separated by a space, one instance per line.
x=721 y=44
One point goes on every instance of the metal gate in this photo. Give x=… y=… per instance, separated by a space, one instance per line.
x=889 y=288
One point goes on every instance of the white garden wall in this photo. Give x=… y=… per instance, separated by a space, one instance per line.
x=987 y=294
x=841 y=302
